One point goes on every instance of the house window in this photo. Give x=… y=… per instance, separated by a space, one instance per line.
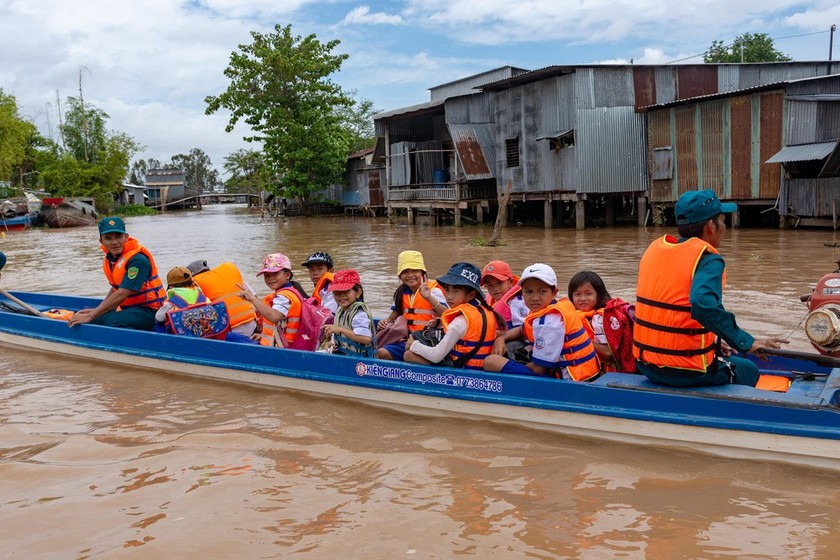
x=512 y=152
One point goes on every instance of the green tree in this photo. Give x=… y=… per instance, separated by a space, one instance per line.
x=748 y=47
x=280 y=87
x=15 y=135
x=198 y=170
x=139 y=169
x=95 y=161
x=358 y=120
x=247 y=172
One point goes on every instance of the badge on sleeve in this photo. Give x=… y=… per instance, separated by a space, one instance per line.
x=132 y=272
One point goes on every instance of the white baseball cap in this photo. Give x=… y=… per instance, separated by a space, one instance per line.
x=539 y=271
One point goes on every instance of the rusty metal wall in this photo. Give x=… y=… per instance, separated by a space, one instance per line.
x=644 y=86
x=740 y=130
x=828 y=121
x=714 y=161
x=810 y=198
x=770 y=142
x=696 y=80
x=660 y=129
x=476 y=148
x=686 y=156
x=610 y=145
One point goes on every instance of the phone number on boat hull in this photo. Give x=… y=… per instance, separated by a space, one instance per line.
x=447 y=379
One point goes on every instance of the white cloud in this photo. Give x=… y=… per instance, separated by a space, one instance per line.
x=363 y=16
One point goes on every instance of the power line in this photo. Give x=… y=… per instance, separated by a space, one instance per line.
x=733 y=44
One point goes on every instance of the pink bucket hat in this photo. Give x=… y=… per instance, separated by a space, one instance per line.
x=275 y=262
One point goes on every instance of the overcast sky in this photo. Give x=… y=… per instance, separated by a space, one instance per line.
x=150 y=64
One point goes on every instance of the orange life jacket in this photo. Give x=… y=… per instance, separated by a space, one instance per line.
x=151 y=293
x=473 y=337
x=325 y=280
x=220 y=284
x=578 y=355
x=291 y=322
x=665 y=335
x=420 y=314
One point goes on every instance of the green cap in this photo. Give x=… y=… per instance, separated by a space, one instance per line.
x=111 y=224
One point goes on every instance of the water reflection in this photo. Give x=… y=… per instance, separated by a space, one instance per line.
x=192 y=469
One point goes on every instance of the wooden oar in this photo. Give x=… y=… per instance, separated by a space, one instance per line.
x=818 y=359
x=23 y=304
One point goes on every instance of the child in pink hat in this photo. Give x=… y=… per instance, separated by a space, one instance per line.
x=280 y=311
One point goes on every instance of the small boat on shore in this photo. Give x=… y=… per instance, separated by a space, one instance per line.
x=18 y=223
x=60 y=212
x=800 y=426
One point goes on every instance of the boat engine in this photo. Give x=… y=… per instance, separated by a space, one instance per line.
x=822 y=325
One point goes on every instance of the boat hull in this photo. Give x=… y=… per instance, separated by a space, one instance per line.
x=731 y=422
x=18 y=223
x=64 y=213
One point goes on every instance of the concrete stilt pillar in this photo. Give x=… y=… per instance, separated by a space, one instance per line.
x=548 y=218
x=479 y=214
x=457 y=217
x=410 y=215
x=736 y=219
x=580 y=214
x=641 y=210
x=610 y=212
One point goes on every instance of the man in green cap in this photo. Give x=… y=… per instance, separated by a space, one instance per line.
x=683 y=336
x=136 y=290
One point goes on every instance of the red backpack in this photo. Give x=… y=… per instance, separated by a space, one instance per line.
x=313 y=318
x=619 y=319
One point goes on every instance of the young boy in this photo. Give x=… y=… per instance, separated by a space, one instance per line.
x=181 y=292
x=561 y=345
x=320 y=267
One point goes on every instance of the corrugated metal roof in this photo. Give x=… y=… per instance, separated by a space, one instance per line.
x=419 y=108
x=804 y=152
x=754 y=89
x=476 y=149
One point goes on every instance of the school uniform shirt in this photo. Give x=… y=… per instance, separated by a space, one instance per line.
x=549 y=336
x=597 y=323
x=328 y=300
x=282 y=304
x=361 y=323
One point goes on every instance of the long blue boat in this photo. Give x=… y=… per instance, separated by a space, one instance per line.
x=18 y=223
x=801 y=426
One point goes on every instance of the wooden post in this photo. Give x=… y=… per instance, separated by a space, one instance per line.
x=641 y=211
x=580 y=213
x=501 y=216
x=609 y=221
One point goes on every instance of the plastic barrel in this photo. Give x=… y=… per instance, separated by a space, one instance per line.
x=440 y=177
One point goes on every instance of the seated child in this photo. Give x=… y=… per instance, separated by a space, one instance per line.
x=506 y=300
x=592 y=300
x=561 y=345
x=221 y=284
x=498 y=278
x=419 y=299
x=280 y=311
x=470 y=323
x=320 y=267
x=352 y=331
x=181 y=292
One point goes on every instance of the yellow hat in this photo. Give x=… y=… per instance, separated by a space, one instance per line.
x=410 y=260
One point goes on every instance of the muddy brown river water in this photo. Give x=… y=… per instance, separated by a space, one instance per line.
x=105 y=462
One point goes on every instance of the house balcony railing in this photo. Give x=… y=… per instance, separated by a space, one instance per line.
x=441 y=192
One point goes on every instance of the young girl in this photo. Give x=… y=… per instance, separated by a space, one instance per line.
x=592 y=300
x=418 y=299
x=281 y=309
x=353 y=327
x=469 y=323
